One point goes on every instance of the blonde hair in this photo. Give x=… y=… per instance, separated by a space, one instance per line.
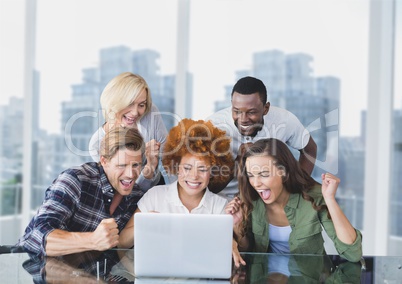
x=121 y=138
x=121 y=91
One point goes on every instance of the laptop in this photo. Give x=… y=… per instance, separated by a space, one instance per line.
x=183 y=245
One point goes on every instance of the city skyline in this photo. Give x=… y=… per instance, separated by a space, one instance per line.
x=73 y=52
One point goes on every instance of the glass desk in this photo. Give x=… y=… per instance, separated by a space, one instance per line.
x=115 y=266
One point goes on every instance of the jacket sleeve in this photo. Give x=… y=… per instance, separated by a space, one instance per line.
x=351 y=252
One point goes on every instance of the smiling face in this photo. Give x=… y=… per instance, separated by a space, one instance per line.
x=193 y=175
x=248 y=112
x=129 y=116
x=266 y=178
x=123 y=169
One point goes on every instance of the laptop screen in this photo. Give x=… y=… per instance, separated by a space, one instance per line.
x=183 y=245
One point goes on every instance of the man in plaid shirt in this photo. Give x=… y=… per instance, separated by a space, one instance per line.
x=87 y=206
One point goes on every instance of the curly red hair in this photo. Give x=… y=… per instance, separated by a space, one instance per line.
x=203 y=140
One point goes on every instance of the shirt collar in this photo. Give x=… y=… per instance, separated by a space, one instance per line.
x=173 y=197
x=294 y=200
x=106 y=186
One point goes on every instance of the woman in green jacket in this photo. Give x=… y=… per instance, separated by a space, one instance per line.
x=282 y=209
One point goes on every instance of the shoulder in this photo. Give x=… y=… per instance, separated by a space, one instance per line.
x=96 y=137
x=316 y=193
x=90 y=170
x=157 y=192
x=215 y=203
x=83 y=173
x=153 y=113
x=280 y=113
x=223 y=120
x=215 y=197
x=100 y=131
x=75 y=180
x=155 y=198
x=158 y=189
x=154 y=108
x=152 y=116
x=221 y=115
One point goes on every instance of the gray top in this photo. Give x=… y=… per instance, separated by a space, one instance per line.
x=150 y=126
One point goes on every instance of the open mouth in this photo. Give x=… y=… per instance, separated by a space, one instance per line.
x=129 y=120
x=126 y=183
x=245 y=127
x=265 y=194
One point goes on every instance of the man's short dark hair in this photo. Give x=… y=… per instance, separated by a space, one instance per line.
x=250 y=85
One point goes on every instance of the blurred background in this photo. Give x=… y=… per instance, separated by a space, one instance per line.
x=334 y=64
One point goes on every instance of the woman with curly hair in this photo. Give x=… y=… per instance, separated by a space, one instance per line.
x=282 y=209
x=199 y=154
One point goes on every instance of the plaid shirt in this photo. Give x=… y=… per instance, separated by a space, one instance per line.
x=77 y=201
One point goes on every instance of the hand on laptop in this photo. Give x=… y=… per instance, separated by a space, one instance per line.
x=233 y=208
x=237 y=259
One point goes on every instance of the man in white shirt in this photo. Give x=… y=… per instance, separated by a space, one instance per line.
x=251 y=118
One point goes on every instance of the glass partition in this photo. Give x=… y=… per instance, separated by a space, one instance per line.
x=311 y=54
x=396 y=150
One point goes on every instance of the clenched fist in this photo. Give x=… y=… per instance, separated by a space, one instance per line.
x=106 y=235
x=152 y=149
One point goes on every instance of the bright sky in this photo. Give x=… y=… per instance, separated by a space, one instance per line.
x=223 y=36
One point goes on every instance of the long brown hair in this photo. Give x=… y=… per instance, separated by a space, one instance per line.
x=295 y=179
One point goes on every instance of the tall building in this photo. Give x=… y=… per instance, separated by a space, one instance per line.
x=11 y=128
x=351 y=172
x=396 y=175
x=314 y=100
x=227 y=100
x=145 y=63
x=113 y=61
x=166 y=102
x=10 y=141
x=82 y=116
x=270 y=67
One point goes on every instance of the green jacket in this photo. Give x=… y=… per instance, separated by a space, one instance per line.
x=306 y=224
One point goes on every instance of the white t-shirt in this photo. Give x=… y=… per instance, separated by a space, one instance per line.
x=165 y=199
x=279 y=238
x=278 y=123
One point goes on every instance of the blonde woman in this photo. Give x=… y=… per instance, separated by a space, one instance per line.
x=126 y=101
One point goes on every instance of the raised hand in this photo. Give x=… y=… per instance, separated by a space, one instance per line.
x=233 y=208
x=106 y=235
x=152 y=149
x=345 y=232
x=329 y=185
